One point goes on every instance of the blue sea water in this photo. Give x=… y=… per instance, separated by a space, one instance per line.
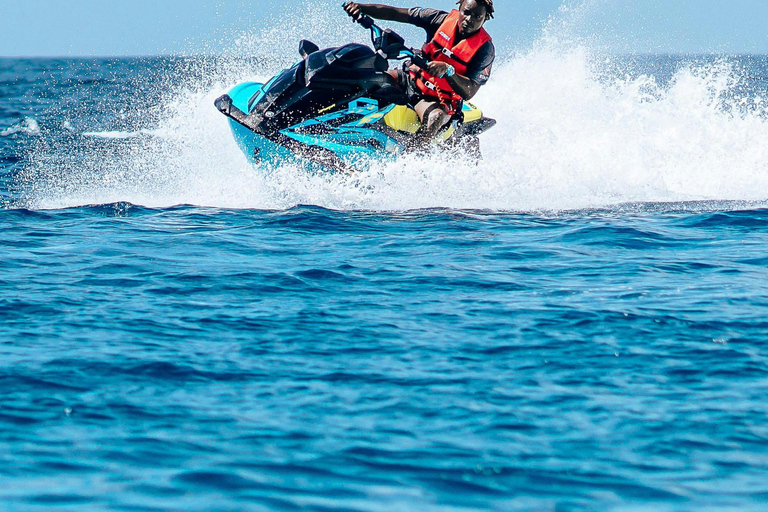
x=182 y=335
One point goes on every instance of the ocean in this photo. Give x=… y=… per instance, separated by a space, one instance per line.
x=577 y=323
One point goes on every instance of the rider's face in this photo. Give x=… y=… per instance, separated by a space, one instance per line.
x=471 y=17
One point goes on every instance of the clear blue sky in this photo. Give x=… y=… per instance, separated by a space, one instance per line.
x=149 y=27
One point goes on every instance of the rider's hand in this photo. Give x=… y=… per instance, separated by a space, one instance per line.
x=437 y=68
x=353 y=9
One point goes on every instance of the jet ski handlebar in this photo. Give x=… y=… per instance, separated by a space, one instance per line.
x=390 y=44
x=416 y=58
x=367 y=22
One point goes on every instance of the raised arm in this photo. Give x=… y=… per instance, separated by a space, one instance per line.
x=378 y=11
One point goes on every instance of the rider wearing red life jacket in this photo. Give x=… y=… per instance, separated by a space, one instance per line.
x=460 y=52
x=448 y=46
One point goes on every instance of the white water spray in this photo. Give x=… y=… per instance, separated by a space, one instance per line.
x=570 y=135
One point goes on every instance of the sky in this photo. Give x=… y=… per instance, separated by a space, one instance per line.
x=160 y=27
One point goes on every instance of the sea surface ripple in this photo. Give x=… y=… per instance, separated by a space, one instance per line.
x=198 y=359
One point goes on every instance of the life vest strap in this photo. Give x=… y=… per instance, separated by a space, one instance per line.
x=450 y=100
x=448 y=53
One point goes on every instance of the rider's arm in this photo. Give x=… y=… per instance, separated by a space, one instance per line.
x=477 y=74
x=378 y=11
x=465 y=87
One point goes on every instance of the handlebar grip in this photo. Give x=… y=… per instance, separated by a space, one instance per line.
x=366 y=21
x=420 y=61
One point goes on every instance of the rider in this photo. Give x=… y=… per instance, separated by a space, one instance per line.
x=460 y=52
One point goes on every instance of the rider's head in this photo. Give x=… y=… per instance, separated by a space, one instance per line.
x=473 y=14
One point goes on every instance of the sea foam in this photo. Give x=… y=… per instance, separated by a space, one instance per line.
x=28 y=126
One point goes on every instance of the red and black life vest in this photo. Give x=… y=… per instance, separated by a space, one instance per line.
x=444 y=48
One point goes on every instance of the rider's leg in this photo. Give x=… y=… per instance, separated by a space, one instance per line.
x=432 y=117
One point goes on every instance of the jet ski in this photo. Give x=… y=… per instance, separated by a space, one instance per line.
x=338 y=108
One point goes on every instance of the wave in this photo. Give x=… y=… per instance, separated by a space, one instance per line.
x=28 y=126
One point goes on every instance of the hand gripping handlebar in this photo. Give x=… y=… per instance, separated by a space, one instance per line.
x=377 y=38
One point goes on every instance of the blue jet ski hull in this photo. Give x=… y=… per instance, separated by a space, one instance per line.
x=351 y=133
x=355 y=134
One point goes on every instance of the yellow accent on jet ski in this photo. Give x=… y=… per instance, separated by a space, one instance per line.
x=446 y=134
x=370 y=118
x=471 y=112
x=403 y=119
x=326 y=109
